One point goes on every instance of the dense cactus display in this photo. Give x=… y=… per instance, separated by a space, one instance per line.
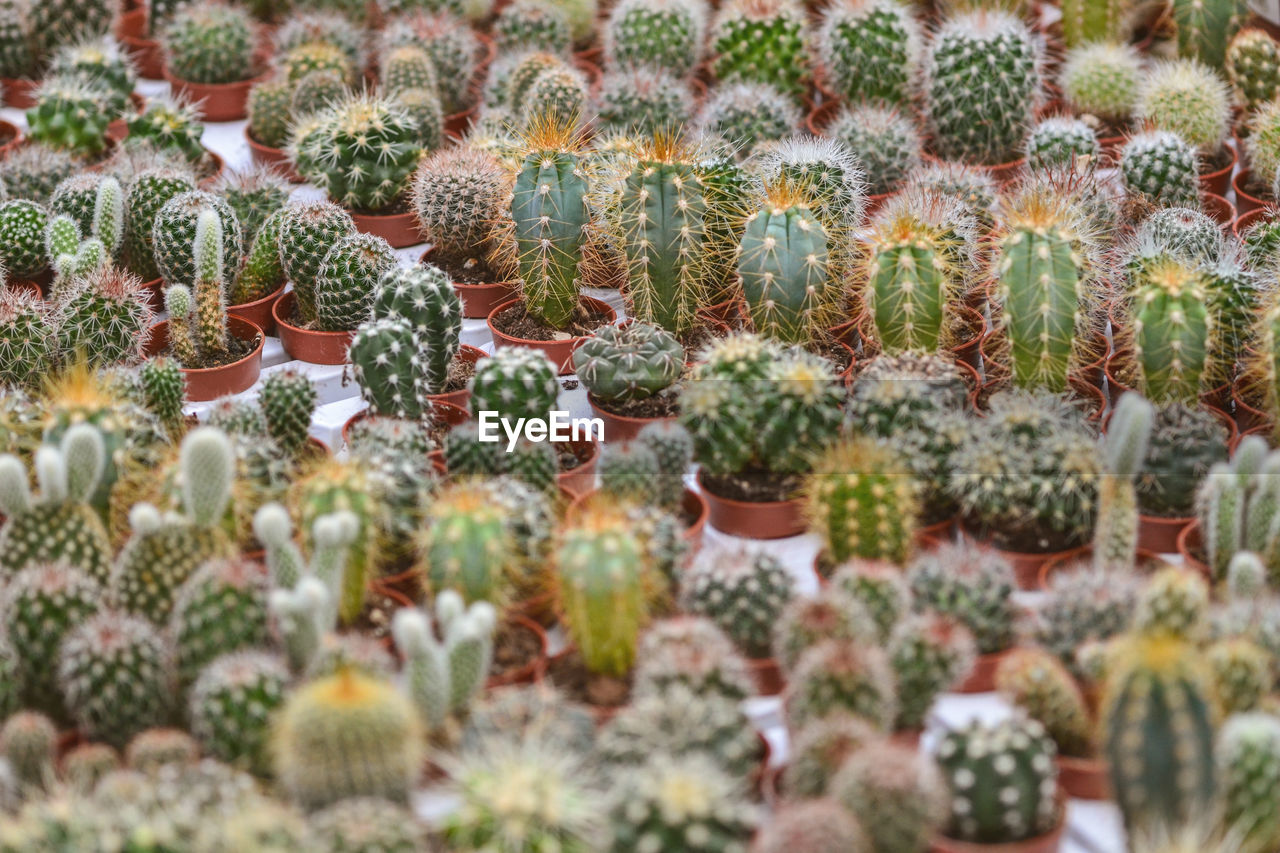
x=743 y=594
x=870 y=50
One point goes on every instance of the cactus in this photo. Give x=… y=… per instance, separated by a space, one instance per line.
x=556 y=95
x=346 y=735
x=747 y=114
x=105 y=315
x=1173 y=332
x=881 y=590
x=170 y=124
x=629 y=363
x=474 y=544
x=148 y=192
x=1221 y=506
x=221 y=608
x=22 y=228
x=17 y=47
x=269 y=107
x=898 y=795
x=211 y=43
x=532 y=463
x=262 y=273
x=839 y=677
x=346 y=279
x=680 y=721
x=426 y=300
x=928 y=653
x=313 y=95
x=71 y=114
x=255 y=195
x=916 y=266
x=457 y=195
x=444 y=675
x=1087 y=22
x=61 y=526
x=992 y=53
x=162 y=553
x=629 y=472
x=232 y=703
x=367 y=823
x=453 y=47
x=152 y=749
x=666 y=35
x=862 y=502
x=1161 y=167
x=163 y=392
x=307 y=233
x=1187 y=234
x=971 y=585
x=969 y=185
x=34 y=170
x=870 y=51
x=1205 y=29
x=1158 y=731
x=885 y=141
x=319 y=57
x=1101 y=79
x=1036 y=682
x=1247 y=755
x=29 y=346
x=362 y=153
x=1241 y=674
x=27 y=744
x=1189 y=99
x=762 y=41
x=1115 y=538
x=70 y=257
x=516 y=383
x=532 y=25
x=680 y=802
x=894 y=393
x=672 y=448
x=87 y=764
x=1253 y=67
x=743 y=593
x=288 y=400
x=816 y=826
x=199 y=335
x=1004 y=783
x=115 y=676
x=820 y=749
x=1059 y=141
x=534 y=793
x=174 y=235
x=386 y=364
x=692 y=652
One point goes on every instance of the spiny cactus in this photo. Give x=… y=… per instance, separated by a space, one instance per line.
x=288 y=400
x=22 y=229
x=1162 y=167
x=453 y=47
x=1035 y=681
x=1189 y=99
x=475 y=545
x=1087 y=22
x=457 y=195
x=210 y=43
x=748 y=114
x=312 y=95
x=817 y=826
x=1247 y=756
x=174 y=232
x=269 y=112
x=870 y=50
x=71 y=114
x=744 y=593
x=885 y=141
x=29 y=347
x=221 y=608
x=163 y=392
x=232 y=703
x=198 y=332
x=346 y=279
x=27 y=742
x=516 y=383
x=664 y=35
x=1004 y=783
x=425 y=298
x=839 y=677
x=369 y=823
x=1253 y=66
x=1115 y=538
x=862 y=502
x=1101 y=79
x=928 y=654
x=983 y=83
x=1173 y=332
x=973 y=586
x=315 y=57
x=347 y=735
x=445 y=674
x=629 y=363
x=898 y=795
x=147 y=193
x=532 y=25
x=170 y=124
x=105 y=314
x=629 y=472
x=672 y=447
x=307 y=233
x=1241 y=674
x=761 y=41
x=1059 y=141
x=693 y=652
x=387 y=367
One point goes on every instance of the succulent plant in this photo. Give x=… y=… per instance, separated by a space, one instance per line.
x=928 y=654
x=870 y=51
x=17 y=47
x=1091 y=22
x=972 y=586
x=1187 y=98
x=971 y=186
x=385 y=361
x=665 y=35
x=516 y=383
x=863 y=502
x=152 y=749
x=884 y=139
x=311 y=96
x=29 y=348
x=368 y=823
x=71 y=114
x=210 y=43
x=105 y=314
x=222 y=608
x=232 y=703
x=761 y=41
x=198 y=331
x=457 y=195
x=1035 y=681
x=269 y=105
x=445 y=674
x=692 y=652
x=1004 y=782
x=87 y=764
x=747 y=114
x=1253 y=67
x=629 y=363
x=452 y=44
x=816 y=826
x=744 y=593
x=841 y=677
x=34 y=170
x=288 y=400
x=171 y=123
x=1247 y=753
x=307 y=233
x=1059 y=141
x=1115 y=538
x=532 y=25
x=680 y=802
x=147 y=193
x=346 y=279
x=174 y=233
x=1161 y=166
x=1205 y=29
x=898 y=795
x=1101 y=80
x=22 y=228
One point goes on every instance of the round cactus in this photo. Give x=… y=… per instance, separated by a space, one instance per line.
x=269 y=111
x=743 y=593
x=532 y=25
x=881 y=590
x=148 y=192
x=1189 y=99
x=839 y=677
x=346 y=279
x=713 y=814
x=1241 y=673
x=747 y=114
x=1161 y=167
x=1253 y=66
x=973 y=586
x=1102 y=80
x=385 y=360
x=457 y=195
x=71 y=114
x=170 y=124
x=29 y=349
x=288 y=400
x=693 y=652
x=174 y=235
x=1059 y=142
x=34 y=170
x=870 y=50
x=862 y=502
x=220 y=609
x=152 y=749
x=629 y=363
x=211 y=43
x=367 y=823
x=105 y=314
x=886 y=142
x=897 y=794
x=232 y=703
x=762 y=41
x=1247 y=755
x=666 y=35
x=1035 y=681
x=643 y=100
x=22 y=227
x=928 y=653
x=307 y=232
x=516 y=383
x=27 y=742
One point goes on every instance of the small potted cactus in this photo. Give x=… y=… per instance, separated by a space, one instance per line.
x=1099 y=82
x=1187 y=97
x=1186 y=441
x=220 y=354
x=211 y=57
x=630 y=373
x=755 y=411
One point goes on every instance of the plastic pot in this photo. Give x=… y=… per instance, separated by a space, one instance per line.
x=11 y=138
x=763 y=520
x=307 y=344
x=983 y=677
x=398 y=229
x=1047 y=843
x=560 y=352
x=1245 y=201
x=619 y=428
x=1217 y=181
x=479 y=300
x=265 y=155
x=210 y=383
x=17 y=92
x=1084 y=778
x=258 y=312
x=1222 y=211
x=216 y=101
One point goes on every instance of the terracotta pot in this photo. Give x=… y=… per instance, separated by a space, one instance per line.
x=1109 y=147
x=695 y=504
x=531 y=671
x=764 y=520
x=479 y=300
x=1047 y=843
x=581 y=479
x=1245 y=221
x=155 y=294
x=17 y=92
x=258 y=312
x=620 y=428
x=265 y=155
x=216 y=101
x=24 y=286
x=560 y=352
x=148 y=55
x=1247 y=416
x=11 y=136
x=210 y=383
x=1217 y=181
x=398 y=229
x=1160 y=535
x=730 y=311
x=1221 y=210
x=983 y=677
x=1245 y=201
x=457 y=124
x=932 y=535
x=1144 y=561
x=219 y=166
x=767 y=675
x=1084 y=778
x=1027 y=568
x=462 y=396
x=1191 y=547
x=305 y=344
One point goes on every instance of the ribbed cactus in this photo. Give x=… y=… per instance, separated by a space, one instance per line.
x=385 y=360
x=897 y=793
x=863 y=502
x=971 y=585
x=210 y=43
x=307 y=232
x=346 y=279
x=667 y=34
x=1101 y=79
x=885 y=141
x=558 y=95
x=1188 y=98
x=200 y=337
x=928 y=654
x=347 y=735
x=1158 y=721
x=629 y=472
x=222 y=608
x=870 y=50
x=1161 y=167
x=1220 y=504
x=762 y=41
x=174 y=231
x=1091 y=21
x=1036 y=682
x=817 y=826
x=643 y=100
x=1174 y=332
x=983 y=83
x=269 y=112
x=170 y=124
x=1241 y=674
x=232 y=704
x=601 y=590
x=1004 y=783
x=744 y=593
x=318 y=57
x=426 y=300
x=840 y=677
x=469 y=545
x=147 y=193
x=29 y=347
x=458 y=193
x=1253 y=66
x=1247 y=755
x=516 y=383
x=447 y=654
x=532 y=25
x=288 y=400
x=1205 y=28
x=22 y=228
x=629 y=363
x=917 y=265
x=71 y=114
x=33 y=171
x=1115 y=538
x=1059 y=141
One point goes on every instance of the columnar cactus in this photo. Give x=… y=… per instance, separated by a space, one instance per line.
x=115 y=675
x=71 y=114
x=1115 y=538
x=928 y=654
x=749 y=114
x=221 y=608
x=629 y=363
x=885 y=141
x=743 y=593
x=917 y=266
x=713 y=814
x=288 y=400
x=897 y=793
x=1004 y=782
x=1173 y=331
x=443 y=675
x=762 y=41
x=1158 y=731
x=863 y=502
x=199 y=336
x=1161 y=167
x=425 y=299
x=469 y=544
x=385 y=360
x=210 y=43
x=983 y=84
x=163 y=392
x=1036 y=681
x=269 y=111
x=1247 y=755
x=1253 y=66
x=1204 y=29
x=973 y=586
x=307 y=232
x=232 y=704
x=1091 y=22
x=870 y=50
x=347 y=735
x=665 y=35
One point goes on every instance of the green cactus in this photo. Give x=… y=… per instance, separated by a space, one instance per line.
x=174 y=235
x=971 y=585
x=897 y=793
x=1086 y=22
x=1253 y=67
x=743 y=593
x=60 y=22
x=453 y=46
x=969 y=185
x=17 y=45
x=532 y=25
x=1059 y=141
x=870 y=51
x=1173 y=332
x=147 y=193
x=255 y=195
x=515 y=382
x=200 y=336
x=426 y=300
x=629 y=363
x=1115 y=538
x=262 y=273
x=885 y=141
x=221 y=608
x=713 y=815
x=1004 y=782
x=762 y=41
x=819 y=750
x=1205 y=29
x=444 y=675
x=163 y=392
x=1101 y=79
x=407 y=67
x=170 y=124
x=312 y=95
x=346 y=279
x=672 y=447
x=457 y=195
x=1085 y=606
x=385 y=361
x=22 y=228
x=983 y=81
x=346 y=735
x=1241 y=674
x=368 y=823
x=288 y=400
x=747 y=114
x=29 y=347
x=863 y=503
x=629 y=472
x=879 y=588
x=105 y=314
x=1035 y=681
x=666 y=35
x=690 y=651
x=71 y=114
x=840 y=677
x=1247 y=755
x=307 y=232
x=152 y=749
x=1189 y=99
x=1161 y=167
x=269 y=108
x=1158 y=721
x=27 y=742
x=210 y=43
x=231 y=706
x=928 y=653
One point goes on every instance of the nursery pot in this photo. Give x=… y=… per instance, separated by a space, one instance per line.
x=763 y=520
x=210 y=383
x=1084 y=778
x=265 y=155
x=1218 y=208
x=306 y=344
x=258 y=312
x=1217 y=181
x=447 y=413
x=479 y=300
x=216 y=101
x=147 y=53
x=1160 y=535
x=619 y=428
x=1247 y=416
x=17 y=92
x=219 y=166
x=932 y=535
x=581 y=478
x=527 y=673
x=767 y=675
x=467 y=353
x=1245 y=221
x=692 y=505
x=983 y=677
x=398 y=229
x=1245 y=200
x=1191 y=547
x=560 y=351
x=1047 y=843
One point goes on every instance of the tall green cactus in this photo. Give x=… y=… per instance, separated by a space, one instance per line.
x=548 y=207
x=1115 y=537
x=1173 y=331
x=425 y=298
x=1206 y=26
x=1085 y=21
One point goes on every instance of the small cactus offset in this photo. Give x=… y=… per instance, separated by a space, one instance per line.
x=1061 y=142
x=200 y=337
x=1115 y=537
x=863 y=502
x=1253 y=66
x=743 y=593
x=1004 y=782
x=1247 y=755
x=624 y=364
x=444 y=675
x=870 y=50
x=347 y=735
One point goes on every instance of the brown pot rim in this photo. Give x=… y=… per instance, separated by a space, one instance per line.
x=791 y=511
x=265 y=155
x=1238 y=182
x=314 y=339
x=203 y=94
x=565 y=366
x=458 y=415
x=1222 y=206
x=398 y=229
x=1245 y=220
x=238 y=327
x=982 y=678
